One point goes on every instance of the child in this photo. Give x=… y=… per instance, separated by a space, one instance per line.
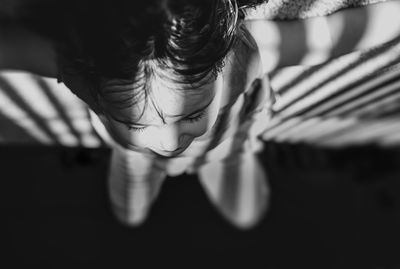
x=206 y=123
x=175 y=86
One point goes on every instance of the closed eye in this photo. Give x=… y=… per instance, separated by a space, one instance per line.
x=189 y=119
x=197 y=117
x=136 y=129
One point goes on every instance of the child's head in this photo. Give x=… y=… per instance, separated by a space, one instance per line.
x=151 y=69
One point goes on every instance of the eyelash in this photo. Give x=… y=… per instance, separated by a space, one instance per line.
x=191 y=120
x=136 y=129
x=197 y=118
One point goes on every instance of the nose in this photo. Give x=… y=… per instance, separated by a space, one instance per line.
x=170 y=138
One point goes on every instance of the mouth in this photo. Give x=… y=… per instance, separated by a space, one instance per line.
x=171 y=154
x=167 y=154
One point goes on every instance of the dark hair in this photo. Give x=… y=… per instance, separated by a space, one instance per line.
x=124 y=42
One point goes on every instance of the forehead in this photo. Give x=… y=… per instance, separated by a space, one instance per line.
x=165 y=101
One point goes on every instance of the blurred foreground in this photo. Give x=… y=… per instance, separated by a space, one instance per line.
x=330 y=208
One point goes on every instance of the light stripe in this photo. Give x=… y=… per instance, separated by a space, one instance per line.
x=324 y=73
x=12 y=111
x=331 y=87
x=362 y=133
x=281 y=128
x=373 y=108
x=29 y=91
x=134 y=183
x=39 y=102
x=341 y=100
x=382 y=24
x=281 y=77
x=326 y=127
x=297 y=130
x=318 y=41
x=62 y=131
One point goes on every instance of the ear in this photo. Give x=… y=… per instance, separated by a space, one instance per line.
x=259 y=93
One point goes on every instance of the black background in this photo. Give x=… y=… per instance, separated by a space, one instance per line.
x=330 y=208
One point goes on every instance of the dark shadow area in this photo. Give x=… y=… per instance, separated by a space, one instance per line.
x=9 y=129
x=329 y=209
x=349 y=38
x=288 y=33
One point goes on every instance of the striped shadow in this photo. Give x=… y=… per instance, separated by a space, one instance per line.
x=343 y=104
x=45 y=111
x=25 y=112
x=335 y=78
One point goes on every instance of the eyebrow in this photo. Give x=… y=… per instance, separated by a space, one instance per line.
x=169 y=116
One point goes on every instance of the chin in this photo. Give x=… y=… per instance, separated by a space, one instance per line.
x=169 y=154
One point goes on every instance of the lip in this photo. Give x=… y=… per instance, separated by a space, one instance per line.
x=174 y=153
x=168 y=154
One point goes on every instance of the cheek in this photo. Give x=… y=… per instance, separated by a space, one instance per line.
x=123 y=135
x=213 y=115
x=199 y=128
x=208 y=122
x=195 y=129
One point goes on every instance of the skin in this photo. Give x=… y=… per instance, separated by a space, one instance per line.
x=24 y=50
x=177 y=136
x=190 y=116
